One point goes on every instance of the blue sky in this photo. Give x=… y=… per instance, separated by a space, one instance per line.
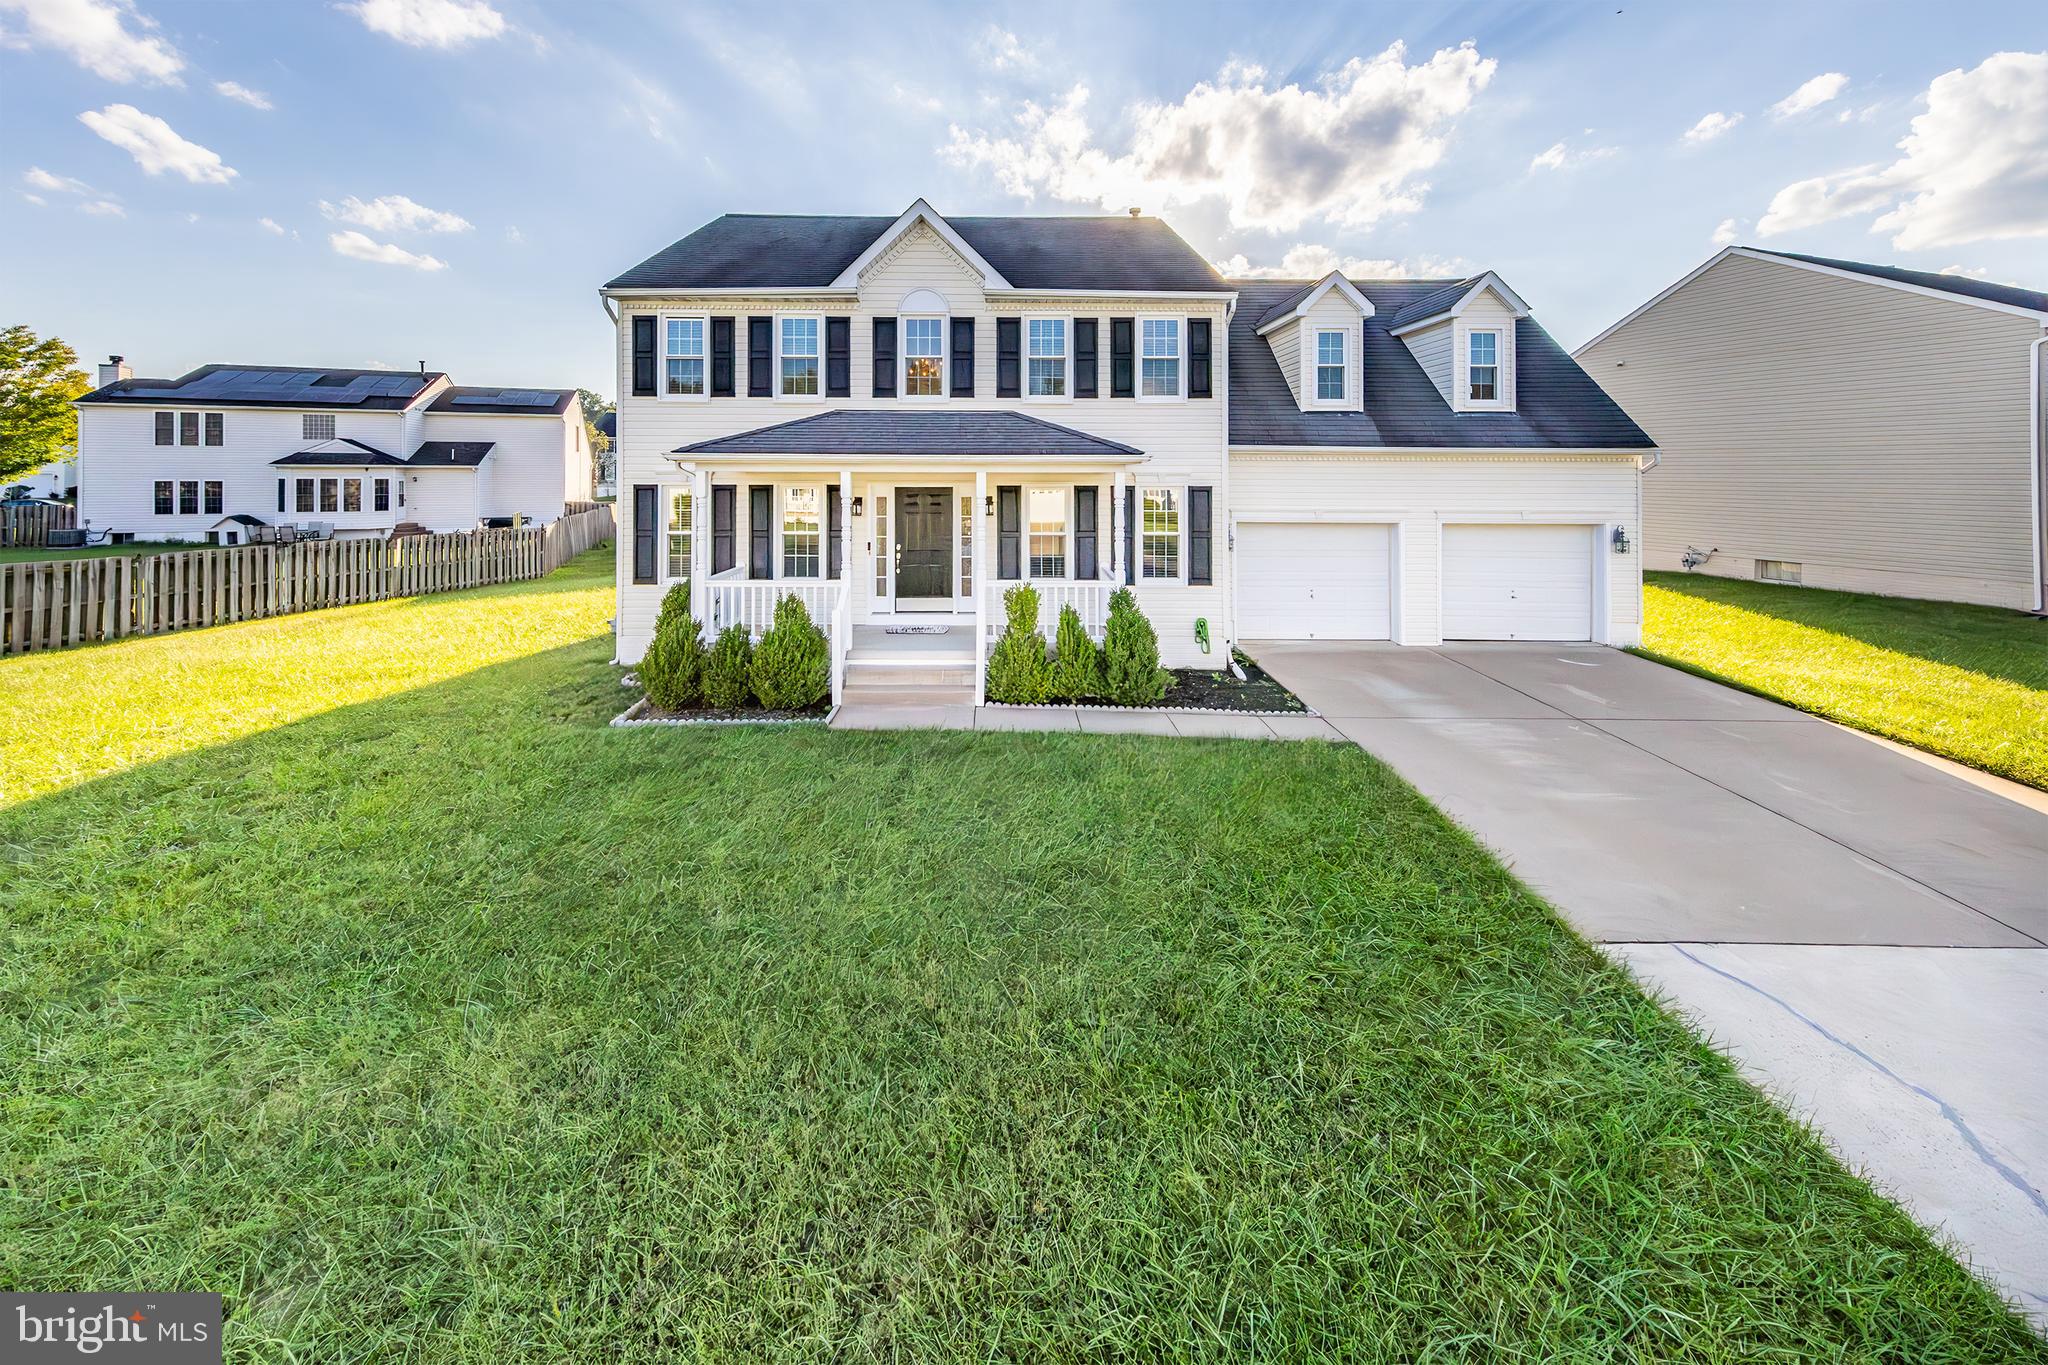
x=385 y=181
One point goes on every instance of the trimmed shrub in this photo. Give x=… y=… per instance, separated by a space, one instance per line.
x=1017 y=669
x=672 y=670
x=1130 y=654
x=793 y=666
x=1076 y=663
x=729 y=670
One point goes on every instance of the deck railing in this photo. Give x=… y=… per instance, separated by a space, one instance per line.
x=751 y=602
x=1087 y=596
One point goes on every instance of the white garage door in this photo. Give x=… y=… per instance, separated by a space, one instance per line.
x=1307 y=581
x=1518 y=582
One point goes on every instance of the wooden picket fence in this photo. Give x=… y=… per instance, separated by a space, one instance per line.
x=30 y=523
x=54 y=603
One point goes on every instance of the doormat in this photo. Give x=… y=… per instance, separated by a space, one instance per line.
x=917 y=630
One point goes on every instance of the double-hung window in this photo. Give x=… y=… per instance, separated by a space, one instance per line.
x=683 y=358
x=1159 y=533
x=1047 y=376
x=188 y=497
x=924 y=357
x=351 y=495
x=164 y=505
x=188 y=428
x=679 y=529
x=215 y=501
x=381 y=496
x=330 y=495
x=1048 y=532
x=802 y=531
x=1482 y=371
x=316 y=426
x=1329 y=367
x=216 y=428
x=800 y=357
x=303 y=495
x=166 y=428
x=1159 y=358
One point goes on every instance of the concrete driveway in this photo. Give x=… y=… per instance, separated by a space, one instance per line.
x=1860 y=929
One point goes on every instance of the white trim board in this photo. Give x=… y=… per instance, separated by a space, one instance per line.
x=920 y=211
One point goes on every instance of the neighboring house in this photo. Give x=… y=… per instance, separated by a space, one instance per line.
x=227 y=448
x=1840 y=425
x=899 y=418
x=57 y=479
x=607 y=425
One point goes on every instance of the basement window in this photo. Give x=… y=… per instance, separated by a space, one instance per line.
x=1779 y=571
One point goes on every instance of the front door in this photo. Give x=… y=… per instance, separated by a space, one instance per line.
x=924 y=545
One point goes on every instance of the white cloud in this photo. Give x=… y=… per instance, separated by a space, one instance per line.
x=1312 y=261
x=1548 y=160
x=38 y=178
x=430 y=23
x=242 y=94
x=923 y=101
x=1967 y=272
x=998 y=49
x=96 y=35
x=271 y=225
x=1351 y=151
x=514 y=236
x=1725 y=233
x=1974 y=166
x=155 y=147
x=35 y=199
x=356 y=246
x=1557 y=157
x=103 y=208
x=394 y=213
x=1810 y=95
x=1712 y=126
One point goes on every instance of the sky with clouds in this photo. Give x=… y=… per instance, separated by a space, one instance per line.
x=377 y=182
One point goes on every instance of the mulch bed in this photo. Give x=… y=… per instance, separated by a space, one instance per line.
x=1219 y=690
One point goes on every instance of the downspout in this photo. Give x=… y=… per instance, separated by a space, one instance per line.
x=621 y=546
x=2034 y=472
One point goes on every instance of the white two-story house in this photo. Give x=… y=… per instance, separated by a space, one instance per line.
x=897 y=419
x=226 y=449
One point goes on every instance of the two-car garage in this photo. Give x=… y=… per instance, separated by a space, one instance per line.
x=1334 y=580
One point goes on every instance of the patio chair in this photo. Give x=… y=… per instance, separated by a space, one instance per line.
x=287 y=534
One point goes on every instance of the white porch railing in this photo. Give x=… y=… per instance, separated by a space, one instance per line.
x=842 y=637
x=1087 y=596
x=750 y=602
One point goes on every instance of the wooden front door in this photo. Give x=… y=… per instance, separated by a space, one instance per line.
x=924 y=543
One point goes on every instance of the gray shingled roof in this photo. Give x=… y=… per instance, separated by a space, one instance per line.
x=495 y=398
x=2009 y=294
x=1287 y=304
x=1437 y=300
x=273 y=386
x=332 y=453
x=750 y=250
x=856 y=432
x=1559 y=405
x=453 y=454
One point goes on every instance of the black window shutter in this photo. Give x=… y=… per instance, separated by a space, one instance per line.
x=760 y=531
x=1084 y=531
x=885 y=358
x=963 y=357
x=1120 y=361
x=1199 y=538
x=1009 y=506
x=646 y=528
x=1009 y=342
x=1198 y=358
x=280 y=495
x=164 y=435
x=643 y=356
x=722 y=502
x=838 y=358
x=721 y=357
x=832 y=514
x=1084 y=358
x=760 y=336
x=1130 y=533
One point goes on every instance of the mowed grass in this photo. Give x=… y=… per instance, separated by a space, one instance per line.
x=1969 y=683
x=439 y=1022
x=14 y=554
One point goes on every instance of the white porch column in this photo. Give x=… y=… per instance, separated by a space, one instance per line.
x=981 y=577
x=700 y=546
x=846 y=526
x=1119 y=571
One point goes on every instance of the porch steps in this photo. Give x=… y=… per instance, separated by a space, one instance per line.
x=881 y=694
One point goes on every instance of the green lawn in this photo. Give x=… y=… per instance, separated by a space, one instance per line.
x=1968 y=683
x=428 y=1019
x=15 y=554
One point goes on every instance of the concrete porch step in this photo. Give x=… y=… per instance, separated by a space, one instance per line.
x=890 y=694
x=898 y=675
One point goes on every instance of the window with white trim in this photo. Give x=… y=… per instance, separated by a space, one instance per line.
x=316 y=426
x=1046 y=527
x=164 y=504
x=680 y=525
x=802 y=531
x=1159 y=358
x=1046 y=358
x=1330 y=367
x=188 y=428
x=303 y=495
x=924 y=358
x=330 y=495
x=1780 y=571
x=800 y=361
x=881 y=545
x=1159 y=533
x=351 y=495
x=215 y=497
x=381 y=500
x=1482 y=369
x=683 y=358
x=188 y=497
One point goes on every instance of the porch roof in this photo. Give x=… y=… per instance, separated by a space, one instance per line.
x=921 y=436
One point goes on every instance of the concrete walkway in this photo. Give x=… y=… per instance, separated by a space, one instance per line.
x=1861 y=930
x=1185 y=724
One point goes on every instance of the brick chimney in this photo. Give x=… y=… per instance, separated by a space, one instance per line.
x=115 y=368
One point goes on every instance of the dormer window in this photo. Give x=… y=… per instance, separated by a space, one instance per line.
x=1482 y=371
x=800 y=362
x=924 y=357
x=1330 y=382
x=1047 y=362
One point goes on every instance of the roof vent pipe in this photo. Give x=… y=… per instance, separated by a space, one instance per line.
x=1135 y=211
x=423 y=369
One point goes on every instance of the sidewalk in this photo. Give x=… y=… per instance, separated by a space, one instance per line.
x=1085 y=720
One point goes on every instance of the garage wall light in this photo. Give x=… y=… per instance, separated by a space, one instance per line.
x=1620 y=540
